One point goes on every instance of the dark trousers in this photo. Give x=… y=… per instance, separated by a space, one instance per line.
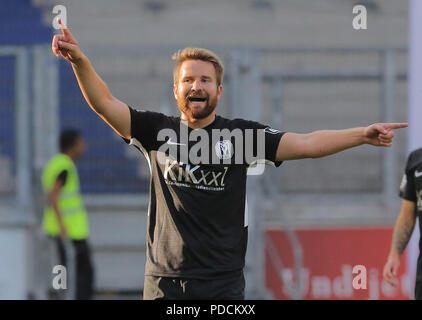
x=165 y=288
x=84 y=271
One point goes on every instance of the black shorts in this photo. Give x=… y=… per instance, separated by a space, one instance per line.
x=166 y=288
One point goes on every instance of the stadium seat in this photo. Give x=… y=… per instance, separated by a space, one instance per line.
x=101 y=169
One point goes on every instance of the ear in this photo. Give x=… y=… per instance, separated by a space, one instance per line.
x=175 y=91
x=219 y=91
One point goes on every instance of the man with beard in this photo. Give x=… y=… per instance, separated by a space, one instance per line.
x=411 y=208
x=197 y=216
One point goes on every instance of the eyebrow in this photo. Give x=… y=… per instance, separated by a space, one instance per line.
x=202 y=77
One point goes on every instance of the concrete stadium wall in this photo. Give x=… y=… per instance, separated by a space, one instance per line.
x=298 y=23
x=146 y=82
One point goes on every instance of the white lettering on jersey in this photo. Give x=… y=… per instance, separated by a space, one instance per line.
x=180 y=172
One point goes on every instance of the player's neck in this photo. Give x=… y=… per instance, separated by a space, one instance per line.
x=71 y=155
x=198 y=123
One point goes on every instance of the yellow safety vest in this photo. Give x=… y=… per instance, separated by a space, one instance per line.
x=70 y=201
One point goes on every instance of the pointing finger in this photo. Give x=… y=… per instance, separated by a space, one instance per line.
x=397 y=125
x=64 y=29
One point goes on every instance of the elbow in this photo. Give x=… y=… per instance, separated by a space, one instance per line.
x=52 y=200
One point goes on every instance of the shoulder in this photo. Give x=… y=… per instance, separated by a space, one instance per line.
x=239 y=123
x=414 y=159
x=59 y=159
x=147 y=114
x=58 y=163
x=151 y=120
x=416 y=154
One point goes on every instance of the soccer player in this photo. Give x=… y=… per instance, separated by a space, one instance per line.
x=197 y=216
x=411 y=192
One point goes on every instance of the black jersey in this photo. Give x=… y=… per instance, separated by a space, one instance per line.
x=411 y=189
x=411 y=185
x=197 y=216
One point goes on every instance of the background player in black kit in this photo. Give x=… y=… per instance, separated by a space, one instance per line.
x=411 y=192
x=197 y=221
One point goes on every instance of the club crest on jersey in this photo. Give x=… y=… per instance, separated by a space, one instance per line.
x=224 y=149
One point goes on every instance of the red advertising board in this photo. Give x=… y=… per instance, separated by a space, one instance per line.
x=340 y=263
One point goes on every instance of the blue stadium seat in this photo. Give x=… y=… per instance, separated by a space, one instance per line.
x=7 y=102
x=105 y=167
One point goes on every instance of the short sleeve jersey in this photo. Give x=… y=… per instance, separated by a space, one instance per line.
x=411 y=189
x=197 y=216
x=411 y=185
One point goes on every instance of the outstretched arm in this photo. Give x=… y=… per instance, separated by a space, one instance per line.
x=95 y=91
x=325 y=142
x=402 y=232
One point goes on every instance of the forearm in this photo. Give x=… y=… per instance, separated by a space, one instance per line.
x=401 y=235
x=326 y=142
x=93 y=88
x=55 y=207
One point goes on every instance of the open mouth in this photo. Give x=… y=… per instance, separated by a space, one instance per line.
x=196 y=99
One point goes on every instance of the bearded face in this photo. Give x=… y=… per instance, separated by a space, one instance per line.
x=196 y=92
x=197 y=104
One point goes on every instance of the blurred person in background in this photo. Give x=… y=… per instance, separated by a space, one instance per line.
x=197 y=218
x=411 y=193
x=65 y=216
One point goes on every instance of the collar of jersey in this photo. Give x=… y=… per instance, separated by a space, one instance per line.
x=204 y=128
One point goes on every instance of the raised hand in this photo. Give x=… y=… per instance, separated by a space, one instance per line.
x=381 y=134
x=65 y=45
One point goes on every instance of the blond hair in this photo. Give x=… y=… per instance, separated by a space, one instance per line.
x=198 y=54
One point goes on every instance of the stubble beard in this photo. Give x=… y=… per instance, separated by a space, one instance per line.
x=193 y=113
